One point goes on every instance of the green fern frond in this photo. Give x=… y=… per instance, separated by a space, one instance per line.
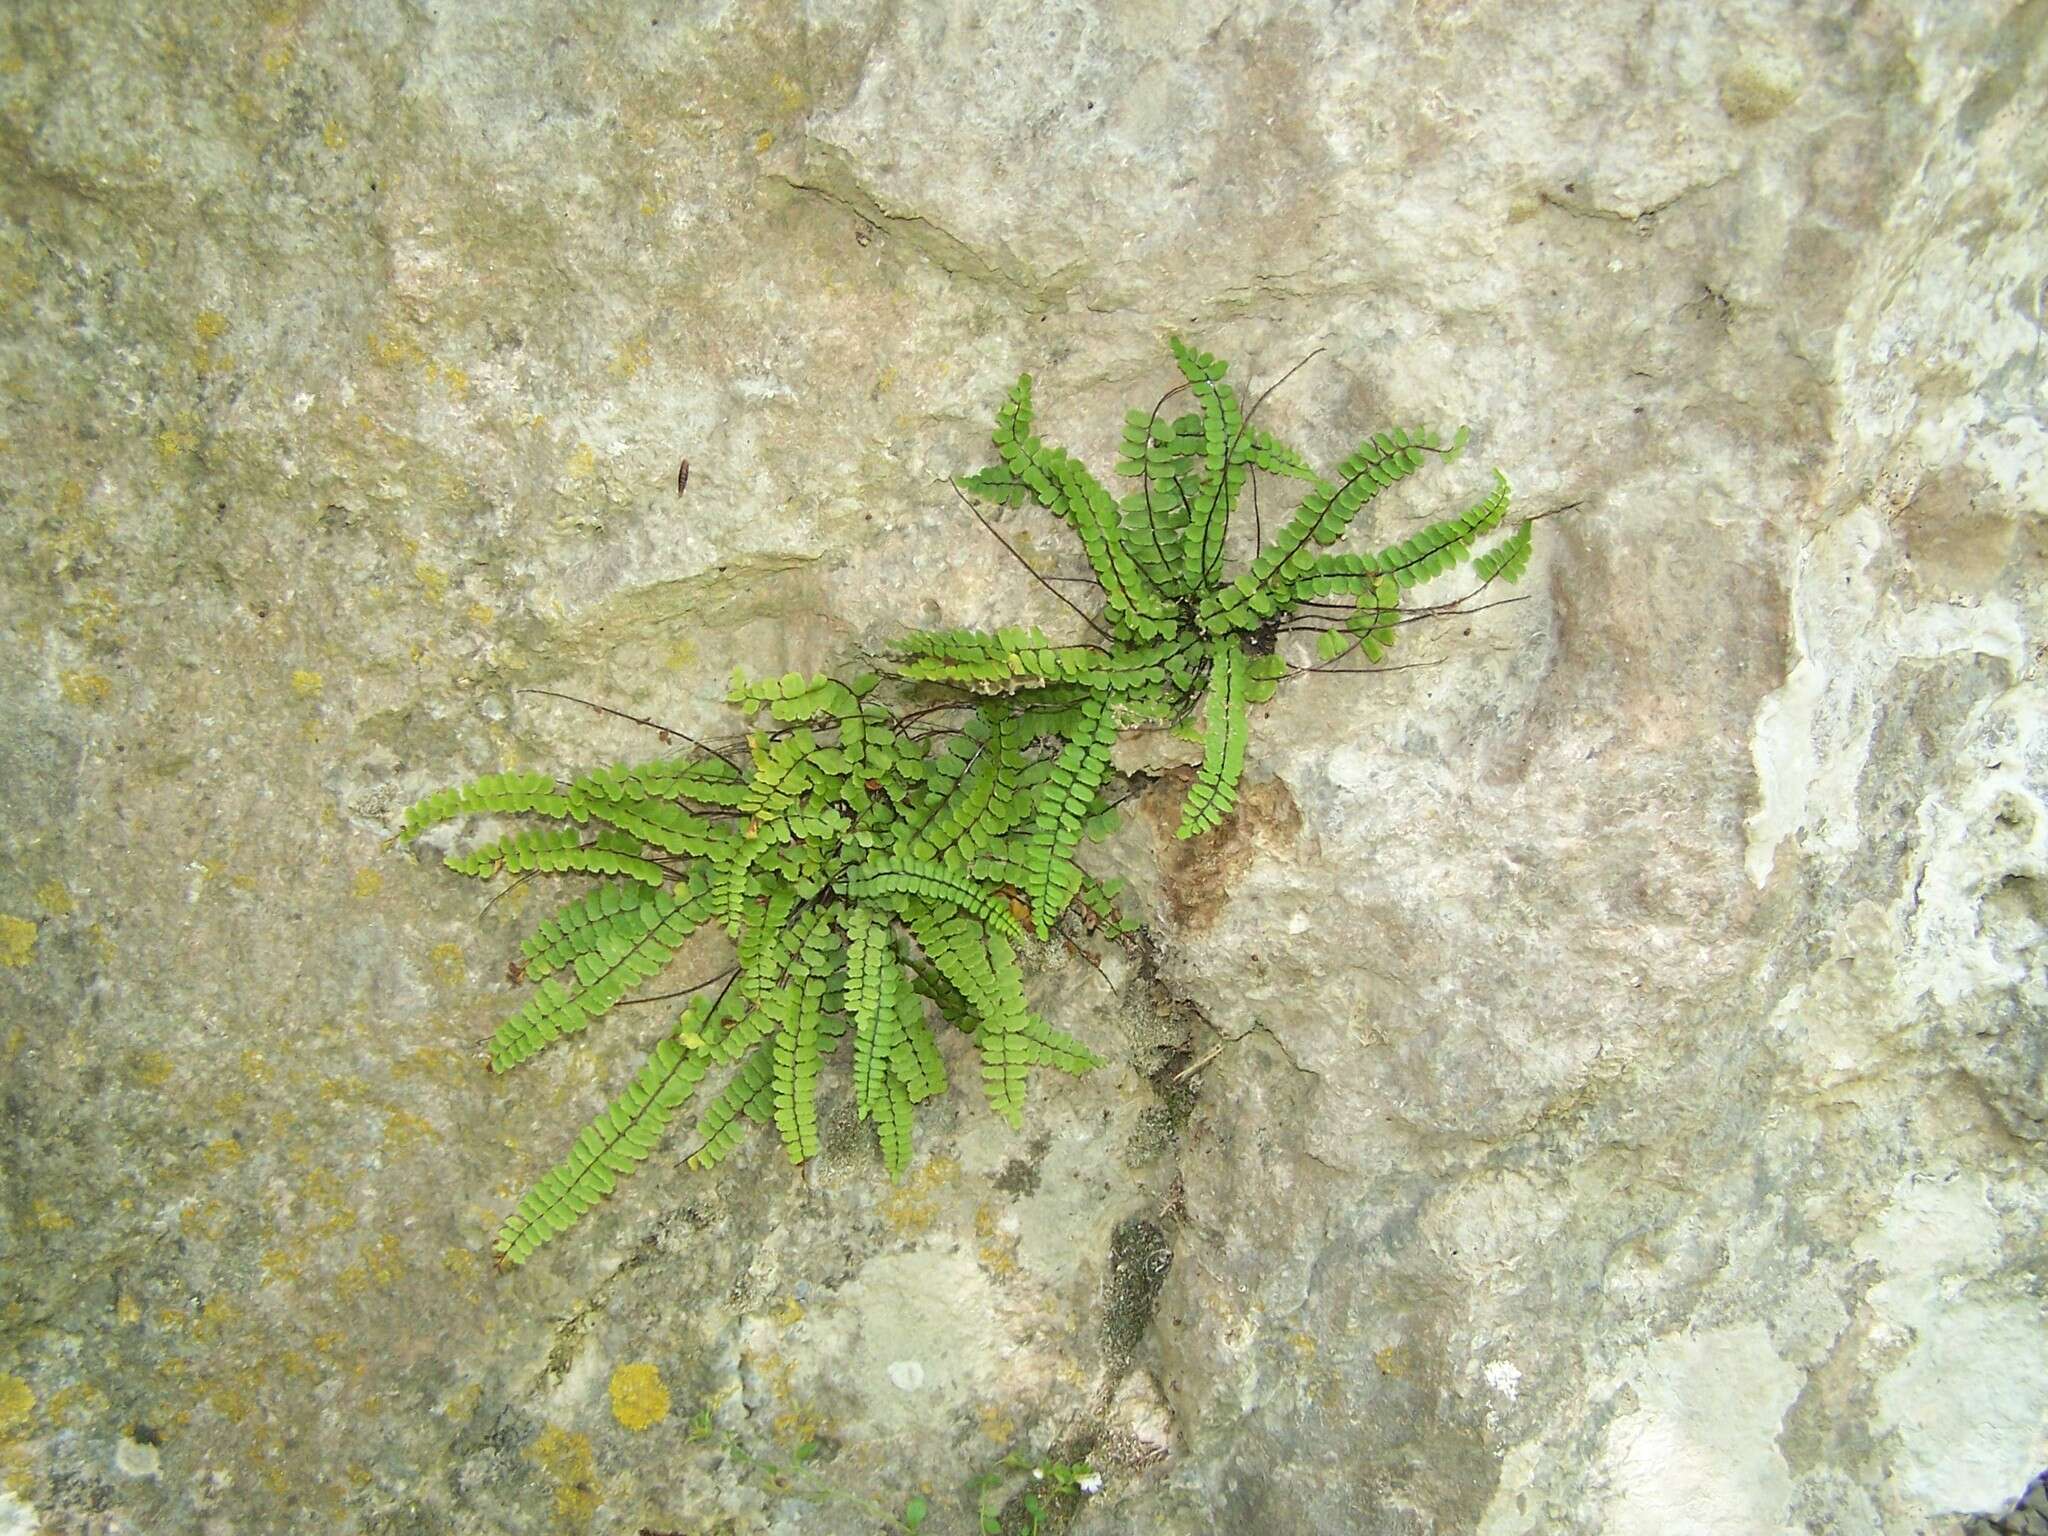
x=1507 y=560
x=914 y=1058
x=721 y=1127
x=1263 y=676
x=793 y=696
x=707 y=780
x=1440 y=546
x=1063 y=803
x=976 y=799
x=611 y=1146
x=1134 y=606
x=880 y=879
x=1214 y=793
x=796 y=1042
x=664 y=824
x=1268 y=453
x=495 y=794
x=1044 y=1046
x=982 y=967
x=617 y=960
x=560 y=851
x=1222 y=471
x=997 y=661
x=891 y=1113
x=1013 y=440
x=872 y=979
x=581 y=926
x=1263 y=591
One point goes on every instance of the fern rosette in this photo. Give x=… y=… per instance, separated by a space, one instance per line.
x=865 y=882
x=876 y=866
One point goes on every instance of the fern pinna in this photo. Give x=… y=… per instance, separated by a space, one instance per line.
x=860 y=874
x=874 y=869
x=1177 y=631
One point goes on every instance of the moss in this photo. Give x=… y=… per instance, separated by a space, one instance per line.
x=1140 y=1257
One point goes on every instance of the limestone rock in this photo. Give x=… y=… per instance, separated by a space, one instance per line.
x=1596 y=1081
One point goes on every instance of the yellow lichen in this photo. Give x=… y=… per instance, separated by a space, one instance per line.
x=392 y=352
x=367 y=883
x=150 y=1069
x=403 y=1129
x=85 y=689
x=173 y=441
x=450 y=969
x=214 y=1318
x=912 y=1207
x=307 y=683
x=799 y=1426
x=17 y=1402
x=223 y=1152
x=639 y=1400
x=436 y=1063
x=208 y=1219
x=378 y=1269
x=582 y=463
x=567 y=1462
x=433 y=579
x=278 y=1264
x=17 y=940
x=210 y=325
x=79 y=1403
x=333 y=135
x=54 y=899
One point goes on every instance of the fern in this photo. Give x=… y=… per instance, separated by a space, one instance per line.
x=1507 y=560
x=871 y=887
x=1168 y=602
x=607 y=911
x=608 y=960
x=611 y=1146
x=1052 y=878
x=1214 y=792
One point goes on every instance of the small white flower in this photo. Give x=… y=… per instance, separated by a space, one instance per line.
x=1092 y=1483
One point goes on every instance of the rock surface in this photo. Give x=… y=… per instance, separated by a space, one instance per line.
x=1632 y=1096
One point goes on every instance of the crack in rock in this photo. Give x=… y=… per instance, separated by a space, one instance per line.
x=828 y=173
x=1582 y=209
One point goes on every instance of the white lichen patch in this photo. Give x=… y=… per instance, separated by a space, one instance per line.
x=1699 y=1452
x=1971 y=1418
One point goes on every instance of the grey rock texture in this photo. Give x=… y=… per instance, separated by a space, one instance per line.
x=1621 y=1103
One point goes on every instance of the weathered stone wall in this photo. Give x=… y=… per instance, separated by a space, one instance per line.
x=1630 y=1109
